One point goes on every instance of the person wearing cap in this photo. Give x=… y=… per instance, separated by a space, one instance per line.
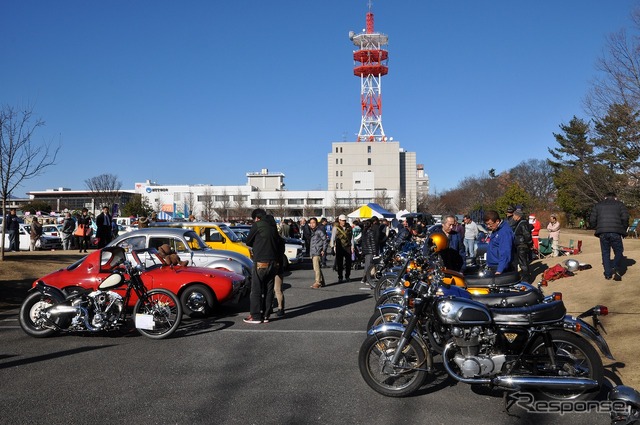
x=523 y=243
x=509 y=217
x=535 y=230
x=554 y=233
x=610 y=218
x=342 y=244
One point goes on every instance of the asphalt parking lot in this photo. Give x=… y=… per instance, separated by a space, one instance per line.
x=298 y=370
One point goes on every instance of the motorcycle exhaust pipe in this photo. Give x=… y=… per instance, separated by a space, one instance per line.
x=517 y=382
x=58 y=312
x=548 y=382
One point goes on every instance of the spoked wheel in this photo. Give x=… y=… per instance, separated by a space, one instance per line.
x=390 y=298
x=575 y=358
x=29 y=316
x=400 y=380
x=382 y=284
x=161 y=312
x=385 y=315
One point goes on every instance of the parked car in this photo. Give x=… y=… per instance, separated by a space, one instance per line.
x=190 y=247
x=200 y=290
x=293 y=248
x=46 y=242
x=216 y=235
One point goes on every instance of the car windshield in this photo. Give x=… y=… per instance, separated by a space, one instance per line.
x=194 y=241
x=230 y=234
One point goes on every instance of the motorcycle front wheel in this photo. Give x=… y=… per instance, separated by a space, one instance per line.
x=384 y=315
x=163 y=309
x=574 y=357
x=382 y=284
x=30 y=323
x=392 y=381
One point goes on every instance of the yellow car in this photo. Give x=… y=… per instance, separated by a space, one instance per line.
x=215 y=235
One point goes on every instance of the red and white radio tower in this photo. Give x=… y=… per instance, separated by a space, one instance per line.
x=370 y=64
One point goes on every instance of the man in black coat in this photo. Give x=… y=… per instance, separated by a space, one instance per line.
x=610 y=218
x=268 y=249
x=522 y=243
x=103 y=222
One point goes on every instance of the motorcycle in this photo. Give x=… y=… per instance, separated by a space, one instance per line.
x=48 y=310
x=537 y=347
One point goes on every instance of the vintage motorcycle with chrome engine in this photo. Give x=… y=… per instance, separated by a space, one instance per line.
x=538 y=347
x=48 y=310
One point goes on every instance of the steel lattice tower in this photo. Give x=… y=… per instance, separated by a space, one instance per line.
x=370 y=64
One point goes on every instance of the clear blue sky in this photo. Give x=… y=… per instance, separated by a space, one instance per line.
x=189 y=92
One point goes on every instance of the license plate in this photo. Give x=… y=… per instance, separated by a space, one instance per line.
x=145 y=321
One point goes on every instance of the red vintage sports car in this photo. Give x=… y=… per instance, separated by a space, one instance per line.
x=199 y=289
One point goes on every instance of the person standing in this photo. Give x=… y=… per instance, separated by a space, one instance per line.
x=143 y=221
x=283 y=229
x=268 y=248
x=454 y=255
x=610 y=218
x=523 y=244
x=68 y=226
x=83 y=232
x=535 y=230
x=509 y=217
x=36 y=232
x=12 y=226
x=500 y=247
x=470 y=235
x=554 y=233
x=103 y=222
x=342 y=243
x=327 y=229
x=318 y=246
x=305 y=234
x=370 y=248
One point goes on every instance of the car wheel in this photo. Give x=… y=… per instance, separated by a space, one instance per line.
x=197 y=301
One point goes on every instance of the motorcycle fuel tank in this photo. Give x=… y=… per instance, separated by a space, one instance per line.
x=460 y=311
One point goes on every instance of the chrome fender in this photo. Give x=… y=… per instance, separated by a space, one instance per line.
x=50 y=291
x=589 y=332
x=398 y=327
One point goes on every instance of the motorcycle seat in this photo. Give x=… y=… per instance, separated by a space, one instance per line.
x=504 y=279
x=510 y=299
x=537 y=314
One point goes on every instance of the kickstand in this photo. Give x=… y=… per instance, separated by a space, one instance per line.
x=508 y=402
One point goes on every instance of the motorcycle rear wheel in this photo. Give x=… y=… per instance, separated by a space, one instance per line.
x=166 y=310
x=576 y=358
x=29 y=310
x=375 y=367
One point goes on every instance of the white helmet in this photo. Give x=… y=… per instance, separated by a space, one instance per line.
x=572 y=265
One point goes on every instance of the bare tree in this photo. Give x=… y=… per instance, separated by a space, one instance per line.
x=382 y=199
x=190 y=202
x=619 y=79
x=208 y=211
x=105 y=190
x=20 y=158
x=225 y=204
x=240 y=210
x=281 y=208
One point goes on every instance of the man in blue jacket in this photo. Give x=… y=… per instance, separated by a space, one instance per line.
x=500 y=247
